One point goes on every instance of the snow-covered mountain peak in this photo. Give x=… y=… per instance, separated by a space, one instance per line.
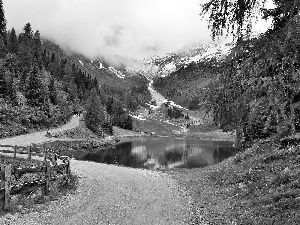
x=164 y=65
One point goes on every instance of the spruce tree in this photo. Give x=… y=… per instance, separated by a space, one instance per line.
x=53 y=92
x=34 y=89
x=3 y=49
x=25 y=57
x=13 y=45
x=12 y=89
x=94 y=117
x=27 y=34
x=37 y=47
x=2 y=20
x=3 y=84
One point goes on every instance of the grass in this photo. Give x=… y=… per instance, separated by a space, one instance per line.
x=258 y=186
x=155 y=125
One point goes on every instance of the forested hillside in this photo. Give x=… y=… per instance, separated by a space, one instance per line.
x=41 y=86
x=258 y=87
x=256 y=91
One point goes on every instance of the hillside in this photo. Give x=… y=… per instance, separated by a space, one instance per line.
x=42 y=85
x=187 y=85
x=98 y=68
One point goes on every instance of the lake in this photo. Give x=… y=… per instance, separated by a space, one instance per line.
x=162 y=153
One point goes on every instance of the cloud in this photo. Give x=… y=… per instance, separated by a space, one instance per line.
x=129 y=28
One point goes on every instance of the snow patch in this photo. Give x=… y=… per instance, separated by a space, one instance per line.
x=138 y=117
x=118 y=73
x=154 y=107
x=218 y=52
x=170 y=67
x=100 y=66
x=175 y=105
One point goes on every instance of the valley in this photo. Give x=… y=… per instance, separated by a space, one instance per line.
x=158 y=123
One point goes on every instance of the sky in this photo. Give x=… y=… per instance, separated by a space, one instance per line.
x=128 y=28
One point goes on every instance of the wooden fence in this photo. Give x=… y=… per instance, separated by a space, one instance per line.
x=50 y=168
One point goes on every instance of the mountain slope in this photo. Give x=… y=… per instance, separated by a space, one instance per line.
x=187 y=85
x=160 y=66
x=97 y=68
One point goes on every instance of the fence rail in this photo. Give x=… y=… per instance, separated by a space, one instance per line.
x=51 y=169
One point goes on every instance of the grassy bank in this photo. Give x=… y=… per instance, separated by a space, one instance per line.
x=258 y=186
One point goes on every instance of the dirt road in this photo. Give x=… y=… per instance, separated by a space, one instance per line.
x=39 y=137
x=110 y=194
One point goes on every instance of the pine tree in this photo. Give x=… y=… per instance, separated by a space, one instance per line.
x=96 y=85
x=3 y=49
x=94 y=117
x=13 y=45
x=53 y=92
x=25 y=57
x=27 y=34
x=12 y=90
x=3 y=84
x=131 y=102
x=68 y=74
x=34 y=90
x=37 y=47
x=72 y=90
x=2 y=20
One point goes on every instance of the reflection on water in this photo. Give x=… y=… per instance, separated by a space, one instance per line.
x=162 y=153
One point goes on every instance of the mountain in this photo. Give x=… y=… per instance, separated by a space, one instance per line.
x=183 y=76
x=180 y=76
x=161 y=66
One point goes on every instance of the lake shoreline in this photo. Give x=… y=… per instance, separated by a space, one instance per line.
x=209 y=134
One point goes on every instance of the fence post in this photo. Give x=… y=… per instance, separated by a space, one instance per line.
x=54 y=159
x=54 y=162
x=45 y=156
x=15 y=151
x=7 y=185
x=29 y=152
x=68 y=168
x=2 y=177
x=47 y=177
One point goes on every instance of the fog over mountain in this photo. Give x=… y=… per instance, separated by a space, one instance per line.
x=130 y=28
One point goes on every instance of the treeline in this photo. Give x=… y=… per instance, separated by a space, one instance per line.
x=41 y=89
x=258 y=90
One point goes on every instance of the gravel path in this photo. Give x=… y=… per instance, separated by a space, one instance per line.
x=39 y=137
x=109 y=194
